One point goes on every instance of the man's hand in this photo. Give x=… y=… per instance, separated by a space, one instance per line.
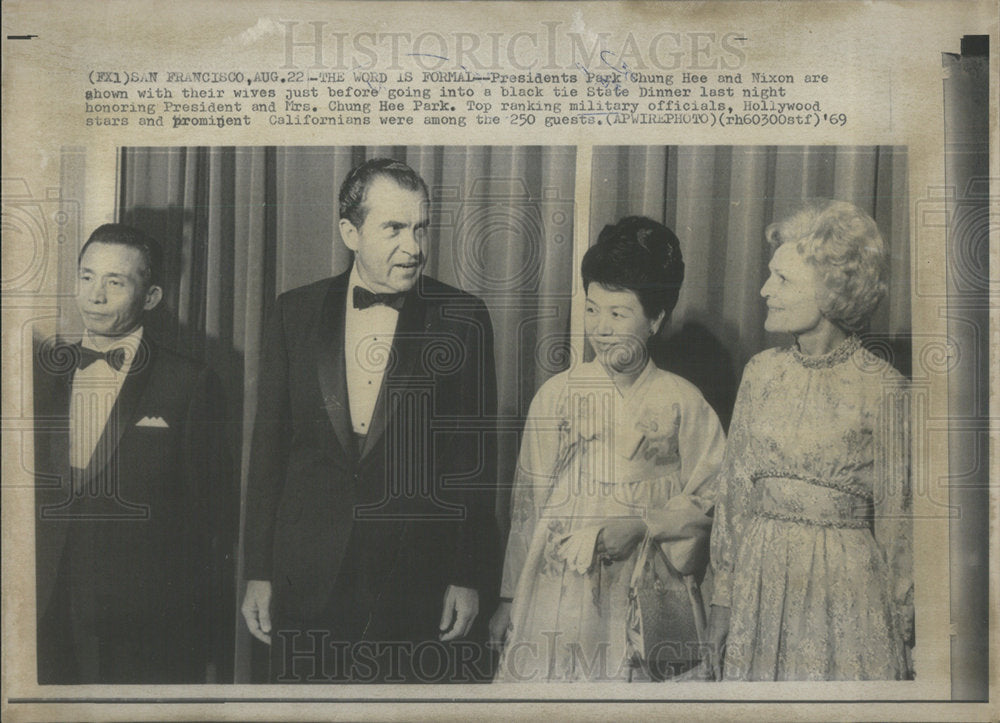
x=718 y=631
x=461 y=605
x=499 y=624
x=257 y=609
x=618 y=538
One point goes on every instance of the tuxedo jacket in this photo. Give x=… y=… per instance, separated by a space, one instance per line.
x=138 y=548
x=425 y=474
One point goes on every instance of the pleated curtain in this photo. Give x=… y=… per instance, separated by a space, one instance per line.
x=242 y=225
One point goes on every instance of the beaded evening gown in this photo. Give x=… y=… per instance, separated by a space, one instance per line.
x=811 y=545
x=590 y=453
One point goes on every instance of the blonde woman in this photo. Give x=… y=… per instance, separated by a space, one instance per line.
x=811 y=540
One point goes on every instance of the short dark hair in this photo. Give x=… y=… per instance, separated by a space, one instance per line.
x=640 y=255
x=121 y=235
x=354 y=189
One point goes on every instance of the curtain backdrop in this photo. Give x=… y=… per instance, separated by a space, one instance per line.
x=242 y=225
x=719 y=200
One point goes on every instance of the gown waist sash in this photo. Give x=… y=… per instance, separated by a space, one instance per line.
x=811 y=501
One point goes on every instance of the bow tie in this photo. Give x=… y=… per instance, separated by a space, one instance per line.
x=114 y=357
x=363 y=298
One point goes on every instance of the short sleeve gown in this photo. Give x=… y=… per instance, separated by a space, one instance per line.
x=811 y=545
x=589 y=454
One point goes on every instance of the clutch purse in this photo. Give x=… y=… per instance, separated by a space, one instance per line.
x=666 y=622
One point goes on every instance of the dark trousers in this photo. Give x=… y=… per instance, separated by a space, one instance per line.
x=56 y=649
x=370 y=631
x=374 y=629
x=81 y=641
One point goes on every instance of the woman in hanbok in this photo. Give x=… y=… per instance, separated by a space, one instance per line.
x=616 y=455
x=811 y=544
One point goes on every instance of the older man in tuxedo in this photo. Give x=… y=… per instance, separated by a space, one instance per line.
x=133 y=493
x=370 y=537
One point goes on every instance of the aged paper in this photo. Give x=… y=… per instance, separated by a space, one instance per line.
x=84 y=80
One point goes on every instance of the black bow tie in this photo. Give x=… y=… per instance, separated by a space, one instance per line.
x=114 y=357
x=363 y=298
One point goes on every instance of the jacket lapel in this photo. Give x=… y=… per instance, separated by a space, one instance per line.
x=53 y=491
x=406 y=345
x=123 y=413
x=58 y=411
x=330 y=362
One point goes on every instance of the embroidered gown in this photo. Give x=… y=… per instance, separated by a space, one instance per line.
x=811 y=545
x=590 y=453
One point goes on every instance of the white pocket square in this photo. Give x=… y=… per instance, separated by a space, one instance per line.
x=152 y=422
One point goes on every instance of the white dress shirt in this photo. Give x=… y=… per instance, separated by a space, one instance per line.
x=95 y=391
x=368 y=335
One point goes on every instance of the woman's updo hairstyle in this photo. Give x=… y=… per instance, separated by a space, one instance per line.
x=640 y=255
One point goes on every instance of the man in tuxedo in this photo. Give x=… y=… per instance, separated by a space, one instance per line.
x=132 y=525
x=370 y=539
